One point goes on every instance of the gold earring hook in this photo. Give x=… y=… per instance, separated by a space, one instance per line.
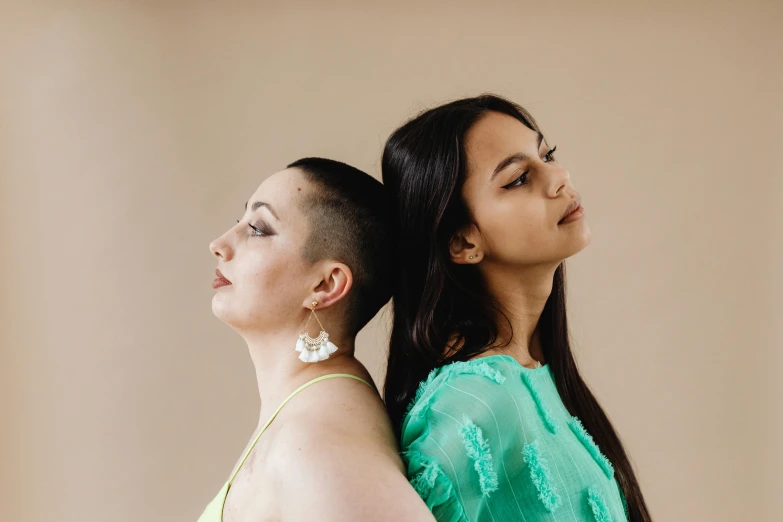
x=313 y=314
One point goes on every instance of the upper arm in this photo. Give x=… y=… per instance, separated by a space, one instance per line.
x=338 y=480
x=341 y=464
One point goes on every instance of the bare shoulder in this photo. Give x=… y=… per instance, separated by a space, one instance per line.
x=341 y=413
x=335 y=457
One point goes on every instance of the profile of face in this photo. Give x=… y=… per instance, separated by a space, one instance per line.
x=271 y=284
x=525 y=210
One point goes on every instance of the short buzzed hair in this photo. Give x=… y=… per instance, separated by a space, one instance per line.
x=348 y=216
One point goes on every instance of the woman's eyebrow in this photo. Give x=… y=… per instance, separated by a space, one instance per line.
x=514 y=158
x=259 y=204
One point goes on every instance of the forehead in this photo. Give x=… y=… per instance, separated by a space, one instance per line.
x=494 y=137
x=282 y=190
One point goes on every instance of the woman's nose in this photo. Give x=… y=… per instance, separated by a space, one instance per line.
x=559 y=180
x=220 y=248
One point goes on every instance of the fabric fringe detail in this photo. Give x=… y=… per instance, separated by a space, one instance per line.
x=458 y=368
x=472 y=368
x=598 y=505
x=591 y=446
x=420 y=391
x=434 y=487
x=477 y=448
x=425 y=481
x=543 y=409
x=541 y=476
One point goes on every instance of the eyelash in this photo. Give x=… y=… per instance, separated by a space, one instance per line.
x=256 y=231
x=549 y=156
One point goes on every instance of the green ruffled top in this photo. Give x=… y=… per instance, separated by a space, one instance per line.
x=489 y=440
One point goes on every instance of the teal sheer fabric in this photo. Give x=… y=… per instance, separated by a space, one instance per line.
x=489 y=440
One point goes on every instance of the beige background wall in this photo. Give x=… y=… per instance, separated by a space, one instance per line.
x=131 y=133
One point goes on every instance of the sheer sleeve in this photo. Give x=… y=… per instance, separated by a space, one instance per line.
x=451 y=442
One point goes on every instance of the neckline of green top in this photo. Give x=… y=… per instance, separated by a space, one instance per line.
x=541 y=367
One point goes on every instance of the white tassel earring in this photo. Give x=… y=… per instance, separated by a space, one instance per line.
x=314 y=350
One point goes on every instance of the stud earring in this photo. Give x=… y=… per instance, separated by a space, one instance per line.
x=314 y=350
x=470 y=257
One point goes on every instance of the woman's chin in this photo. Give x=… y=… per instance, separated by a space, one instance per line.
x=220 y=308
x=579 y=237
x=575 y=243
x=223 y=310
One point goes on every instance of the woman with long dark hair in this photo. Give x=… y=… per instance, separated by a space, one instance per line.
x=495 y=421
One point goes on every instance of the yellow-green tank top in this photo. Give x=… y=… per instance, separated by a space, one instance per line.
x=214 y=510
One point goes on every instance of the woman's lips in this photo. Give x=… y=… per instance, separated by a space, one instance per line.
x=220 y=280
x=573 y=216
x=575 y=212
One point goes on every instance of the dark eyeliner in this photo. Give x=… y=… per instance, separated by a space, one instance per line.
x=262 y=228
x=513 y=183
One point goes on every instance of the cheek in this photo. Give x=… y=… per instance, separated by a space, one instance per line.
x=514 y=224
x=270 y=280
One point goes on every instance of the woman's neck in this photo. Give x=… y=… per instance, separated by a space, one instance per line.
x=279 y=370
x=522 y=297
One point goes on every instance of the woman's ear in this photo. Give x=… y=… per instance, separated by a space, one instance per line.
x=464 y=246
x=334 y=284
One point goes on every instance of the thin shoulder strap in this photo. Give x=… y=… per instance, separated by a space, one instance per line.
x=279 y=408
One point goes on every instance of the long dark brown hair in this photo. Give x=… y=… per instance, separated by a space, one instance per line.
x=438 y=303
